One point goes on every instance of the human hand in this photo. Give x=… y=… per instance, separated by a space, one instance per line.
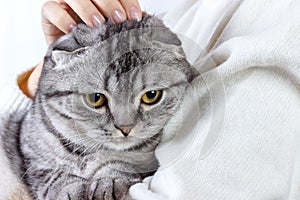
x=59 y=16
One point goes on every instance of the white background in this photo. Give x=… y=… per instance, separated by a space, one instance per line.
x=21 y=40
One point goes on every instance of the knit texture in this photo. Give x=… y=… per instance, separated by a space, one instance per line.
x=242 y=143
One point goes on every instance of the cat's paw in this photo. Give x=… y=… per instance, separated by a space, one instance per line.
x=110 y=188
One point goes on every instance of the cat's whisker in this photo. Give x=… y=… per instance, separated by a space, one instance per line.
x=96 y=146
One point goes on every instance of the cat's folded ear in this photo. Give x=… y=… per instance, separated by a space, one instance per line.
x=63 y=58
x=71 y=46
x=159 y=31
x=60 y=65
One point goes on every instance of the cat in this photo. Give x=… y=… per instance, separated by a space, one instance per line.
x=103 y=99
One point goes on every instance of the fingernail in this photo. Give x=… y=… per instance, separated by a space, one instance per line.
x=134 y=13
x=71 y=27
x=96 y=21
x=118 y=17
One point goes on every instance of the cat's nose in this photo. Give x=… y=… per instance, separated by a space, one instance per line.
x=125 y=130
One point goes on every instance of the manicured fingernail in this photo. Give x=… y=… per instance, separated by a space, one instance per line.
x=96 y=21
x=134 y=13
x=118 y=17
x=71 y=27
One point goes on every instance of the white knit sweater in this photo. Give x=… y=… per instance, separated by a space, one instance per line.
x=240 y=135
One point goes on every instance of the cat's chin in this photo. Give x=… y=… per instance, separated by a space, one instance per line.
x=122 y=143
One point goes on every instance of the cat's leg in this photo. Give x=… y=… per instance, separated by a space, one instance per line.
x=58 y=185
x=113 y=180
x=108 y=188
x=63 y=185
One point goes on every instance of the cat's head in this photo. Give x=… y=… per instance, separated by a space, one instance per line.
x=114 y=86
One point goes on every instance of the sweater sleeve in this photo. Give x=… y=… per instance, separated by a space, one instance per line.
x=256 y=46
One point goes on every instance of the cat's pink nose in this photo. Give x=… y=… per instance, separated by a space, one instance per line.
x=125 y=130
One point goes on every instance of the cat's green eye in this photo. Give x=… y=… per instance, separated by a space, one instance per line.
x=152 y=97
x=95 y=100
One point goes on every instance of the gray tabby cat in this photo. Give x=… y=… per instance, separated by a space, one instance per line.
x=103 y=99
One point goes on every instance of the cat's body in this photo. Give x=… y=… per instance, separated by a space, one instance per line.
x=104 y=97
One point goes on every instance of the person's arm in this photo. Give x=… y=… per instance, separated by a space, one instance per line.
x=28 y=81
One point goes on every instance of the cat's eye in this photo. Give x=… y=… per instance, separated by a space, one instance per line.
x=95 y=100
x=152 y=97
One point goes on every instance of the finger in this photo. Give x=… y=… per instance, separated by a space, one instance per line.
x=54 y=15
x=32 y=82
x=87 y=11
x=71 y=12
x=132 y=9
x=111 y=9
x=67 y=8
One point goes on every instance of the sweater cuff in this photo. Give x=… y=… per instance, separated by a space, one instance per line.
x=16 y=98
x=16 y=101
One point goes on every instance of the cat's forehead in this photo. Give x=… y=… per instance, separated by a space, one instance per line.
x=131 y=75
x=119 y=59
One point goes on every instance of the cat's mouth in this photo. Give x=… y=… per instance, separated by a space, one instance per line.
x=127 y=141
x=122 y=143
x=122 y=139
